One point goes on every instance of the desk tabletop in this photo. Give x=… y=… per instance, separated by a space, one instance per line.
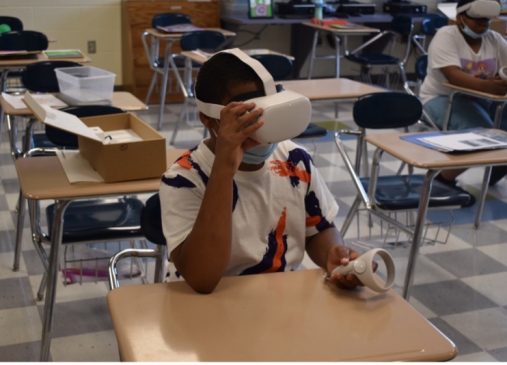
x=427 y=158
x=293 y=316
x=479 y=94
x=38 y=57
x=330 y=89
x=43 y=178
x=352 y=29
x=121 y=99
x=175 y=36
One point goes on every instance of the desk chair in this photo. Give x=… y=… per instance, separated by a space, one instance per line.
x=381 y=195
x=151 y=228
x=206 y=40
x=401 y=28
x=429 y=26
x=23 y=40
x=40 y=77
x=279 y=66
x=94 y=220
x=14 y=23
x=158 y=57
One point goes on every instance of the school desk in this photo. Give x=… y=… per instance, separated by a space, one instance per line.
x=502 y=102
x=433 y=162
x=121 y=99
x=288 y=316
x=43 y=178
x=340 y=36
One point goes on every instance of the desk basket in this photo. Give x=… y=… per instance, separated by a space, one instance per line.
x=85 y=84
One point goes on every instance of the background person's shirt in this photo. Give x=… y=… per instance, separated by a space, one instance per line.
x=449 y=48
x=274 y=208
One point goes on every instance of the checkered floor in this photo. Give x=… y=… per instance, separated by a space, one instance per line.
x=459 y=285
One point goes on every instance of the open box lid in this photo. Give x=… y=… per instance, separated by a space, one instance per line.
x=61 y=120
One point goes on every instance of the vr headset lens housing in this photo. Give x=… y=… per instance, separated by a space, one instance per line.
x=480 y=9
x=286 y=113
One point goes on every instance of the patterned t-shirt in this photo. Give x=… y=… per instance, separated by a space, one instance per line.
x=449 y=48
x=274 y=208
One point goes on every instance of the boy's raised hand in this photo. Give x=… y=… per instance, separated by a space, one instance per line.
x=238 y=121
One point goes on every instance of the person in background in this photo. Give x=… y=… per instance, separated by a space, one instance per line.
x=466 y=54
x=233 y=207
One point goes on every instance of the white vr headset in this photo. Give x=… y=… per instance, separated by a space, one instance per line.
x=481 y=9
x=286 y=114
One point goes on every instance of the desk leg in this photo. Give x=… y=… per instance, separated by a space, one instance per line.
x=56 y=241
x=19 y=230
x=338 y=44
x=12 y=130
x=487 y=172
x=448 y=112
x=418 y=231
x=313 y=53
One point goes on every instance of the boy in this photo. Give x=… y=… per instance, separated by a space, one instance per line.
x=233 y=207
x=466 y=54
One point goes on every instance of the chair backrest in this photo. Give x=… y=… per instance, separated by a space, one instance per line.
x=165 y=19
x=421 y=66
x=402 y=24
x=41 y=76
x=391 y=109
x=151 y=221
x=279 y=66
x=206 y=40
x=431 y=22
x=69 y=140
x=23 y=40
x=14 y=23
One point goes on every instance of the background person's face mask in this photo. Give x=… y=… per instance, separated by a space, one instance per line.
x=469 y=32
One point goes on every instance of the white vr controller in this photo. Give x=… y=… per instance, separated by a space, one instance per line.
x=503 y=73
x=363 y=269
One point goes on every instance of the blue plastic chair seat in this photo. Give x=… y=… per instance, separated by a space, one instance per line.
x=373 y=59
x=402 y=192
x=40 y=140
x=313 y=131
x=99 y=219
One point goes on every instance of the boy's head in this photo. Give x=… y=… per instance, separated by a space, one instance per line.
x=223 y=76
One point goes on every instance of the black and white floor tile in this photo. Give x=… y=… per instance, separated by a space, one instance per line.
x=460 y=285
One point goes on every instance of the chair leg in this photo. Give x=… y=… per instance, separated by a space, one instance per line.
x=159 y=263
x=163 y=91
x=178 y=122
x=482 y=199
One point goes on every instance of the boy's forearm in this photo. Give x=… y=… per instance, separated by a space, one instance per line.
x=318 y=245
x=204 y=255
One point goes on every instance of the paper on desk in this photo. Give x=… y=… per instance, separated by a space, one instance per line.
x=464 y=142
x=16 y=101
x=77 y=168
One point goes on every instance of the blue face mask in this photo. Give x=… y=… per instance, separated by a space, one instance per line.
x=258 y=154
x=469 y=32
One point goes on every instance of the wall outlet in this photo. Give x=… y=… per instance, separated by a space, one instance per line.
x=92 y=47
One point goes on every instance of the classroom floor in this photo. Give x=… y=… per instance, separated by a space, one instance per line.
x=459 y=285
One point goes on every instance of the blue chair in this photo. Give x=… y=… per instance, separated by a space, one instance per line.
x=401 y=28
x=23 y=40
x=151 y=228
x=399 y=192
x=157 y=55
x=279 y=66
x=205 y=40
x=14 y=23
x=429 y=26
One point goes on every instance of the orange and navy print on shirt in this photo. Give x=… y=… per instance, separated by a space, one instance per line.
x=186 y=162
x=274 y=257
x=291 y=169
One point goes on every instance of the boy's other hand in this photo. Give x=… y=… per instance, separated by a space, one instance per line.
x=341 y=255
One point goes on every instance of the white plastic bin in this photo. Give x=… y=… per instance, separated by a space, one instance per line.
x=85 y=84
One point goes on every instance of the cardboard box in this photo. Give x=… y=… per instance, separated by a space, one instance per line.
x=115 y=160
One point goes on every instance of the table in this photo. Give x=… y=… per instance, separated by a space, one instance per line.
x=9 y=63
x=151 y=40
x=301 y=36
x=502 y=102
x=433 y=161
x=121 y=99
x=291 y=316
x=338 y=34
x=43 y=178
